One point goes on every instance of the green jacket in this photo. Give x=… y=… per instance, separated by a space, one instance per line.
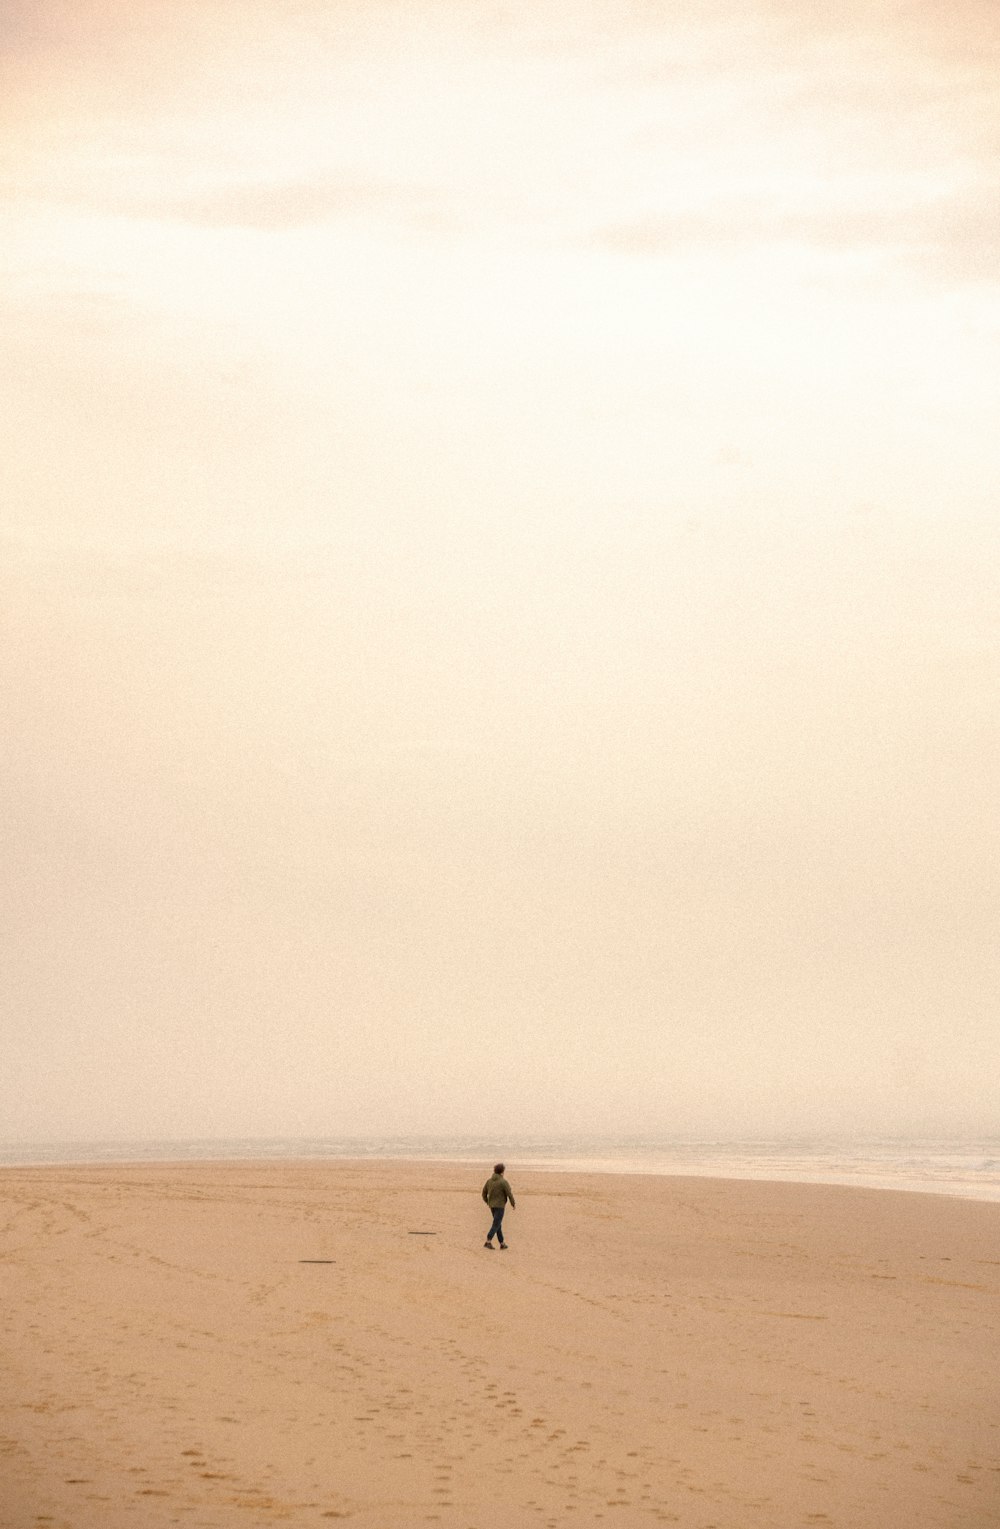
x=496 y=1191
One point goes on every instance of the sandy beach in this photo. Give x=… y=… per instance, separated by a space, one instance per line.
x=248 y=1344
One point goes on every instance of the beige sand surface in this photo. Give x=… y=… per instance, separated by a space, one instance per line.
x=711 y=1354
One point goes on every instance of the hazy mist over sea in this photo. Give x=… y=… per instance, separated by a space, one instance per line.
x=968 y=1169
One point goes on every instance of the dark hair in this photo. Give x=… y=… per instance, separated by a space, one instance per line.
x=498 y=1167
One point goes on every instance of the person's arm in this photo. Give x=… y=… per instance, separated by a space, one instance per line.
x=486 y=1198
x=510 y=1195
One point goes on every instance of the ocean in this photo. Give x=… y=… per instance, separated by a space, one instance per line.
x=968 y=1168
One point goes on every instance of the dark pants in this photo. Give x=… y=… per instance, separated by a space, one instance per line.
x=496 y=1230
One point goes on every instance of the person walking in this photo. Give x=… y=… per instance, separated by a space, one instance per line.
x=496 y=1193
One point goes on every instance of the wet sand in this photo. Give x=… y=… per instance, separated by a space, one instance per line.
x=214 y=1345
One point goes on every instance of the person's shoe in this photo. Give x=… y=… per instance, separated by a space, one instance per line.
x=503 y=1247
x=490 y=1245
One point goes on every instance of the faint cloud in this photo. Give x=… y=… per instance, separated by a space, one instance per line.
x=267 y=206
x=951 y=237
x=297 y=204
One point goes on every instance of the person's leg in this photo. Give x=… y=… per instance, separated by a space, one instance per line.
x=496 y=1227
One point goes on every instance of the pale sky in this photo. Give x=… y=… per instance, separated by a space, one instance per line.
x=500 y=540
